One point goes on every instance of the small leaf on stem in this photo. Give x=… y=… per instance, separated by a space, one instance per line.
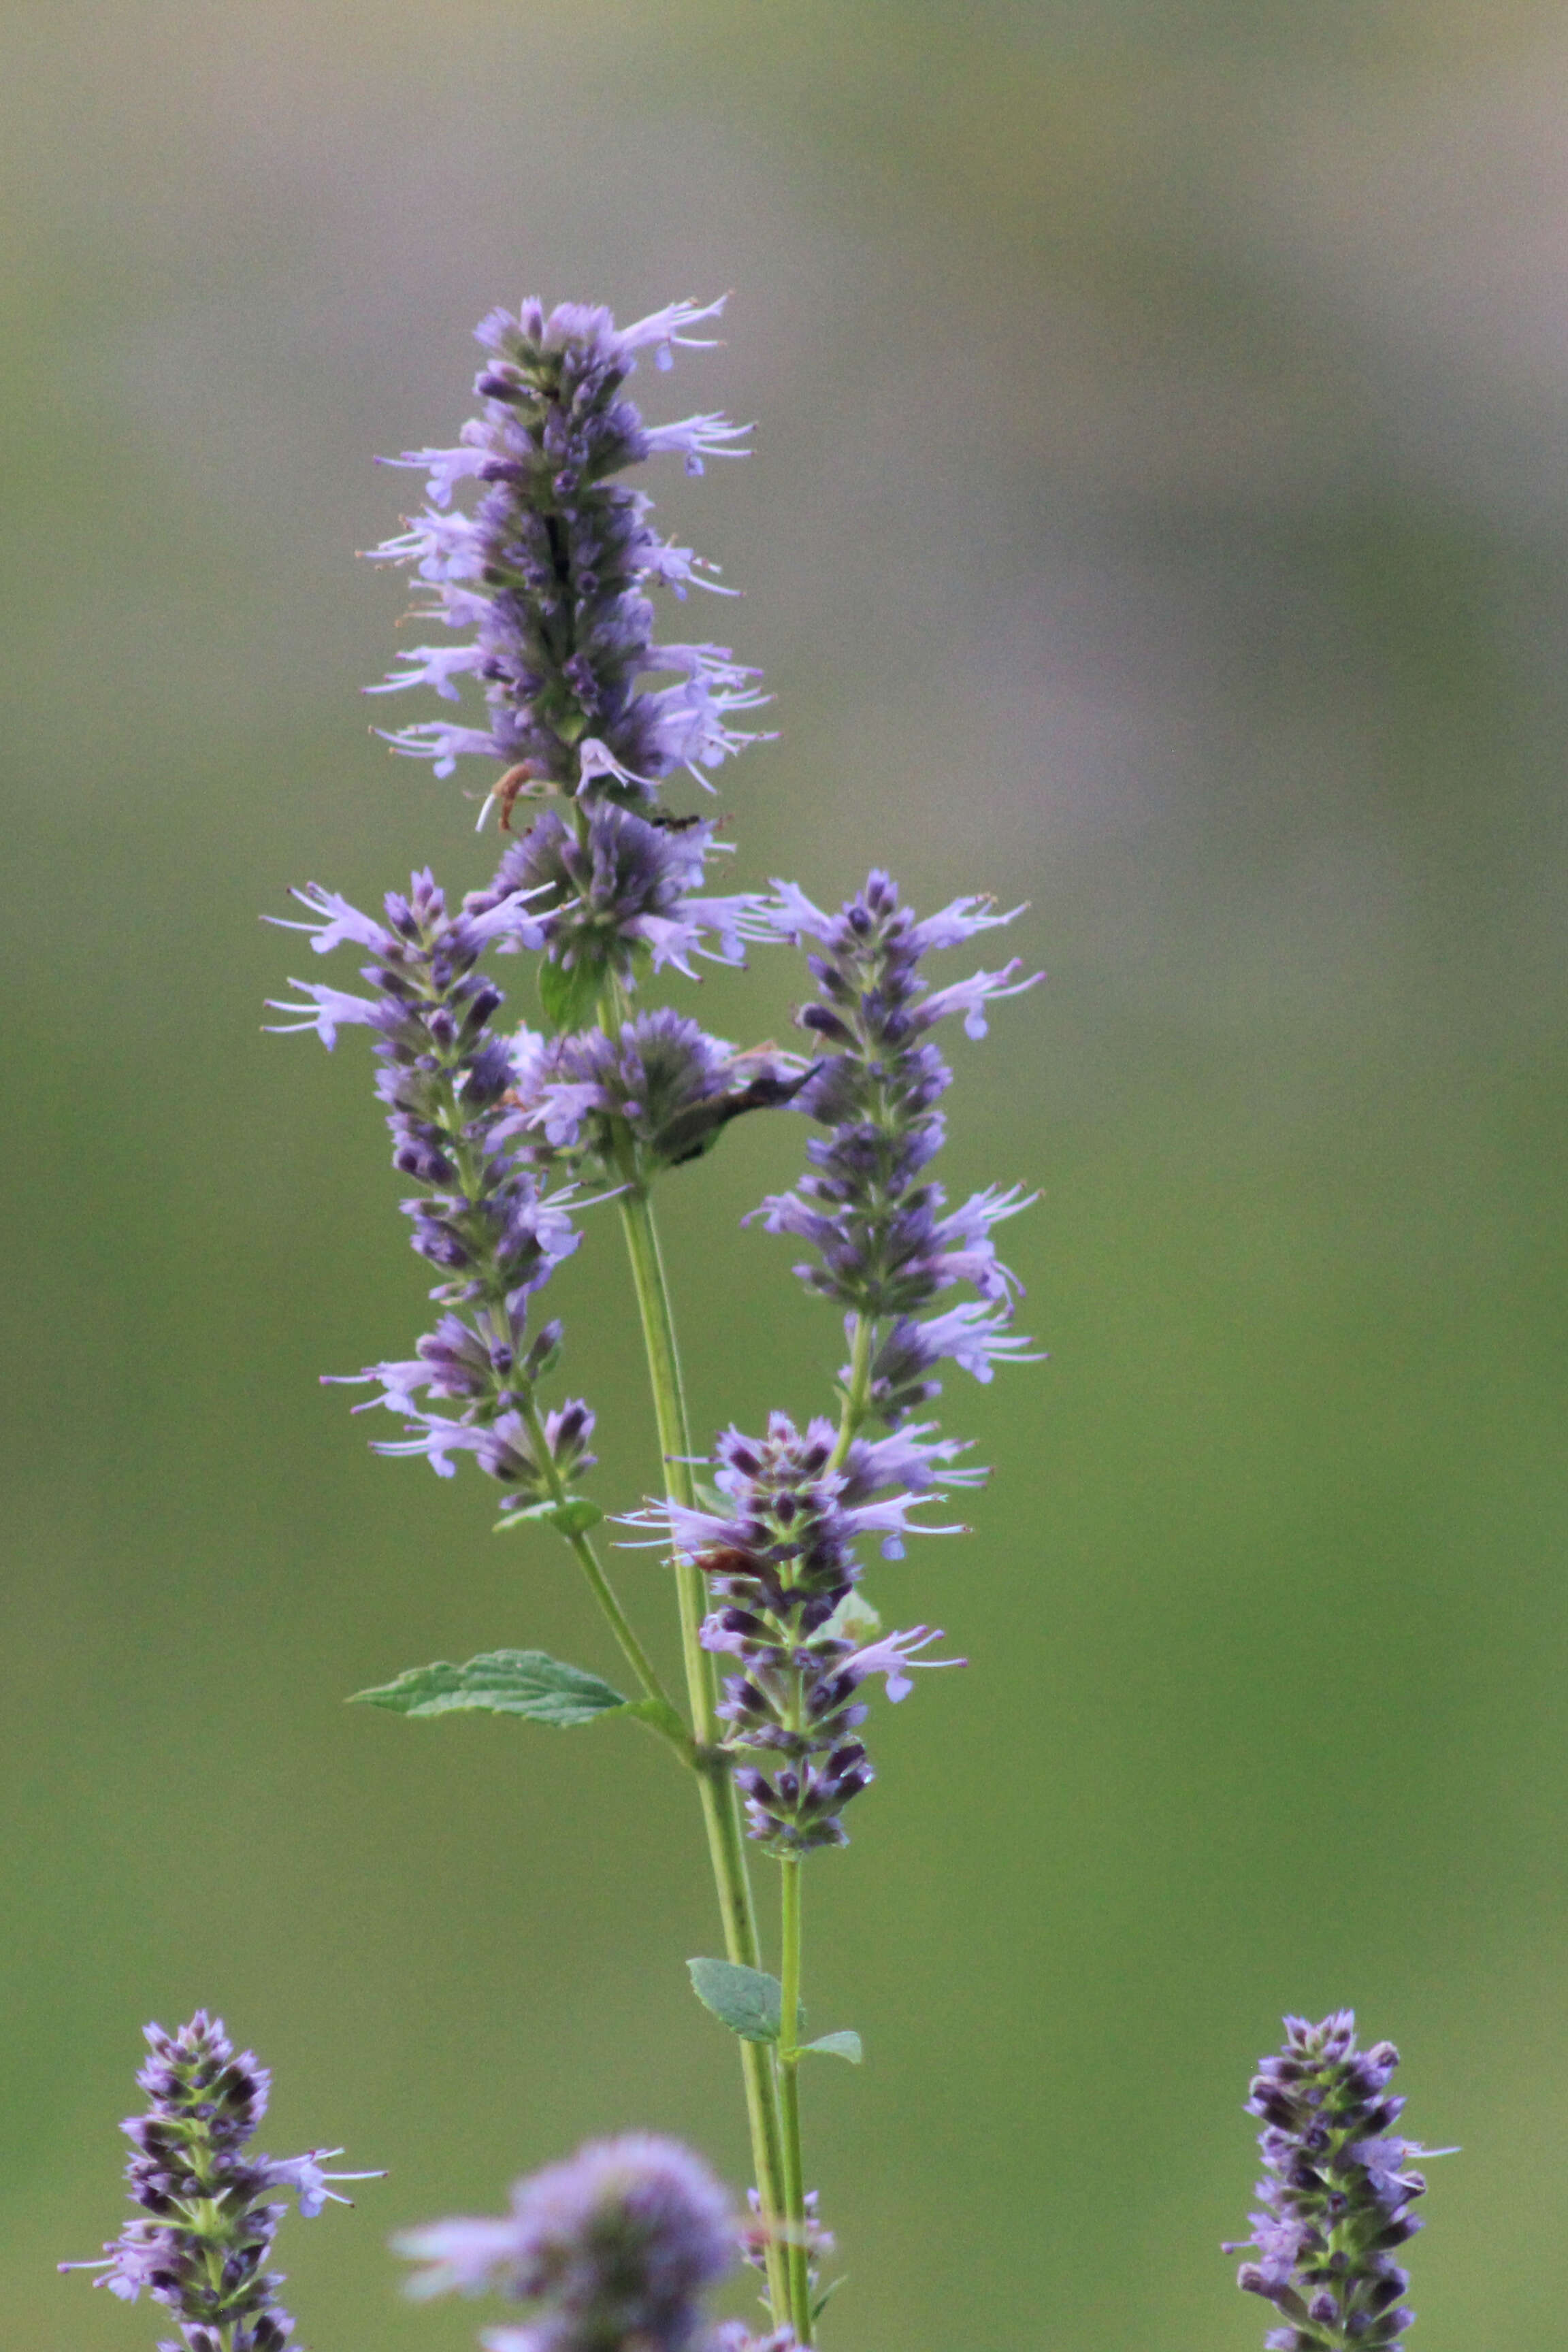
x=826 y=2297
x=844 y=2045
x=574 y=1516
x=501 y=1681
x=748 y=2002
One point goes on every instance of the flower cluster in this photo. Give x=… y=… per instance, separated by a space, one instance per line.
x=607 y=887
x=1336 y=2193
x=780 y=1568
x=551 y=569
x=662 y=1081
x=620 y=2243
x=886 y=1249
x=207 y=2211
x=487 y=1221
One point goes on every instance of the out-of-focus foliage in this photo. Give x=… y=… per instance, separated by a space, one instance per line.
x=1159 y=513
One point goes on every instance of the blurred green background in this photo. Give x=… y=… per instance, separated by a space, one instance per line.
x=1159 y=513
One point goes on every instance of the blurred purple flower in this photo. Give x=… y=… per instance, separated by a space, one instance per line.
x=620 y=2243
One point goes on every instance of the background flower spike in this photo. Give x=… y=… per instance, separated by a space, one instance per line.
x=1339 y=2182
x=208 y=2205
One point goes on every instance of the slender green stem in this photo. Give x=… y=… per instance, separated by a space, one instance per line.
x=721 y=1807
x=789 y=2102
x=666 y=1722
x=857 y=1395
x=673 y=1442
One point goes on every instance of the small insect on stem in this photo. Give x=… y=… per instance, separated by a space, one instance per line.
x=514 y=786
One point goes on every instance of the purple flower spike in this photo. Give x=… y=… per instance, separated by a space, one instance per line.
x=486 y=1219
x=620 y=2244
x=552 y=567
x=782 y=1570
x=1336 y=2195
x=885 y=1249
x=203 y=2236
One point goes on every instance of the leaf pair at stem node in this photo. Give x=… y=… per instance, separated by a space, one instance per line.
x=750 y=2003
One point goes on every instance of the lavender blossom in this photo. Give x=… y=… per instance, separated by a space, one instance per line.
x=1336 y=2197
x=884 y=1248
x=207 y=2215
x=661 y=1083
x=620 y=2243
x=780 y=1568
x=551 y=568
x=607 y=887
x=488 y=1221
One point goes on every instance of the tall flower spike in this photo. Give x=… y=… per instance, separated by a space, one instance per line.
x=551 y=568
x=207 y=2212
x=781 y=1568
x=1336 y=2195
x=487 y=1220
x=885 y=1249
x=620 y=2244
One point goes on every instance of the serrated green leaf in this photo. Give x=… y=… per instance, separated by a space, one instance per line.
x=501 y=1681
x=749 y=2002
x=574 y=1516
x=845 y=2044
x=570 y=995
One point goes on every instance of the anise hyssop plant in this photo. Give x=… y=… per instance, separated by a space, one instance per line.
x=517 y=1138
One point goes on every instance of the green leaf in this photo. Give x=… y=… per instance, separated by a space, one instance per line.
x=570 y=995
x=826 y=2297
x=750 y=2003
x=502 y=1681
x=573 y=1516
x=844 y=2044
x=854 y=1620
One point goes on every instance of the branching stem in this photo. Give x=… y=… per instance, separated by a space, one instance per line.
x=667 y=1721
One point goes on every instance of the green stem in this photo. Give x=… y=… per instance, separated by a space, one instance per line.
x=673 y=1442
x=721 y=1807
x=666 y=1722
x=857 y=1395
x=789 y=2102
